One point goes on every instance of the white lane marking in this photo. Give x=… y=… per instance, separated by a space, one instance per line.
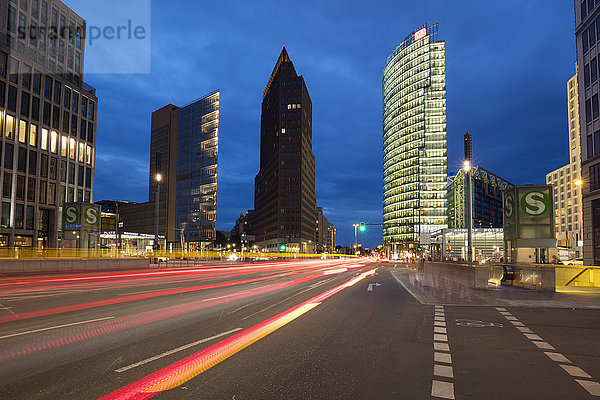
x=168 y=353
x=142 y=292
x=441 y=346
x=439 y=323
x=511 y=318
x=439 y=329
x=500 y=309
x=524 y=329
x=544 y=345
x=439 y=319
x=506 y=313
x=557 y=357
x=442 y=357
x=442 y=390
x=8 y=309
x=439 y=307
x=592 y=387
x=420 y=299
x=575 y=371
x=443 y=370
x=440 y=338
x=311 y=287
x=372 y=285
x=532 y=336
x=54 y=327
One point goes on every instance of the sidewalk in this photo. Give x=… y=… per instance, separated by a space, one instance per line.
x=432 y=288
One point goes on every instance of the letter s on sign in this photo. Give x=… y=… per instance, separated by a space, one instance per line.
x=91 y=216
x=71 y=215
x=508 y=206
x=535 y=203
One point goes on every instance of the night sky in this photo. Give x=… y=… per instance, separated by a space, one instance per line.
x=507 y=66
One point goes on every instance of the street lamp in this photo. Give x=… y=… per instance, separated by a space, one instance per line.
x=158 y=178
x=355 y=237
x=467 y=167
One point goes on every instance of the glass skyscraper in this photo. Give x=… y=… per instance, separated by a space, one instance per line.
x=184 y=151
x=414 y=140
x=197 y=153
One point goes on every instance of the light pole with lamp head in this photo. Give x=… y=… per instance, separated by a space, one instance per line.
x=158 y=179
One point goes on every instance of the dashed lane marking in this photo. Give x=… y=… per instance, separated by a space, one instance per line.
x=591 y=386
x=442 y=359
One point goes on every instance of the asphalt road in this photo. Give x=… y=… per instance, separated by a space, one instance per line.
x=297 y=330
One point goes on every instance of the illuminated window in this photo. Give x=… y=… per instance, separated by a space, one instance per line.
x=72 y=148
x=63 y=146
x=81 y=157
x=54 y=142
x=33 y=135
x=44 y=144
x=88 y=155
x=22 y=131
x=10 y=127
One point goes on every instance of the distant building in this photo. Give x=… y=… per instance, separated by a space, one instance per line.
x=184 y=152
x=242 y=224
x=587 y=13
x=325 y=233
x=112 y=206
x=114 y=236
x=47 y=121
x=284 y=191
x=566 y=182
x=414 y=140
x=331 y=237
x=487 y=199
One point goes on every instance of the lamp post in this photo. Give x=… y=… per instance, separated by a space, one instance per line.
x=158 y=179
x=467 y=168
x=355 y=238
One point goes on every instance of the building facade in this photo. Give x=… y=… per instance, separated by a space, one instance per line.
x=566 y=182
x=47 y=120
x=184 y=153
x=284 y=193
x=331 y=237
x=325 y=233
x=487 y=199
x=587 y=23
x=414 y=140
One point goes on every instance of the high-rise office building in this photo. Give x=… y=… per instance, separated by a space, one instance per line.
x=47 y=120
x=566 y=182
x=587 y=27
x=414 y=140
x=184 y=152
x=284 y=195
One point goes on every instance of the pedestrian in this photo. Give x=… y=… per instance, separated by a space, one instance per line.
x=422 y=265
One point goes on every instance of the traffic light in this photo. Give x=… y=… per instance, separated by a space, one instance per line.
x=282 y=247
x=198 y=248
x=362 y=227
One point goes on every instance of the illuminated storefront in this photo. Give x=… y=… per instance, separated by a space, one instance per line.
x=414 y=140
x=452 y=244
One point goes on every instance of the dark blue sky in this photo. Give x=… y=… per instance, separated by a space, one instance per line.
x=507 y=66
